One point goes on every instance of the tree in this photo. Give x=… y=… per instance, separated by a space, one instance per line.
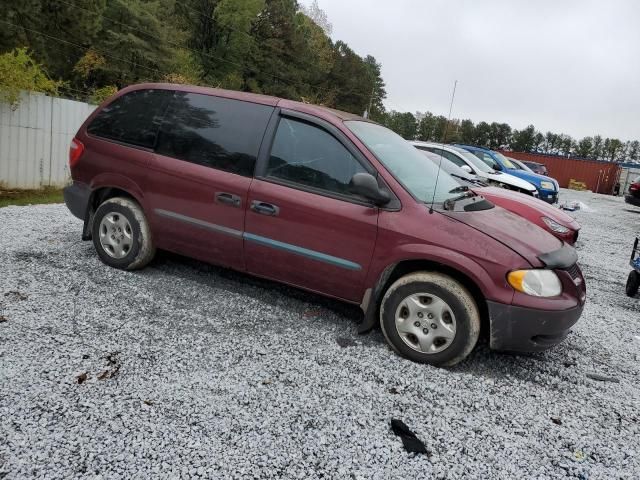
x=482 y=134
x=319 y=16
x=524 y=140
x=467 y=131
x=584 y=147
x=404 y=124
x=597 y=147
x=350 y=80
x=538 y=142
x=426 y=127
x=54 y=31
x=378 y=92
x=18 y=72
x=634 y=150
x=611 y=149
x=566 y=144
x=499 y=135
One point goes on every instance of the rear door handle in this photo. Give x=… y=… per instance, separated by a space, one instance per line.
x=228 y=199
x=264 y=208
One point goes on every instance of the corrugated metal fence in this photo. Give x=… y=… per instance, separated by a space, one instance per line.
x=34 y=140
x=600 y=177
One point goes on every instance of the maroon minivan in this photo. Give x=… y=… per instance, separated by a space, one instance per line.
x=325 y=201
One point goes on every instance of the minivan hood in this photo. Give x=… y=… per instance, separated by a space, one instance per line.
x=523 y=237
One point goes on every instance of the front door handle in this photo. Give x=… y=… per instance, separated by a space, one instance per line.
x=264 y=208
x=228 y=199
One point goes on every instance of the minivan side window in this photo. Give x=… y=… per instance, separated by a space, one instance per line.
x=216 y=132
x=133 y=118
x=312 y=157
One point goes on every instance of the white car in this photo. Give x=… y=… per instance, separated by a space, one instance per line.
x=474 y=166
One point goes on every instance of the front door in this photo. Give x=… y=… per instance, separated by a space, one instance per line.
x=304 y=226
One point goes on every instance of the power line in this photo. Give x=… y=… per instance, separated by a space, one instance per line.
x=80 y=46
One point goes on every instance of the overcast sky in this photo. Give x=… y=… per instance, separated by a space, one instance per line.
x=569 y=66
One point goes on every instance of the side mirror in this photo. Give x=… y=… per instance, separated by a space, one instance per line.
x=497 y=167
x=467 y=169
x=366 y=185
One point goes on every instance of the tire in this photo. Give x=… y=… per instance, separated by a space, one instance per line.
x=633 y=283
x=121 y=234
x=455 y=316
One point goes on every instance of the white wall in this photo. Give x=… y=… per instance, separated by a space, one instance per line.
x=35 y=138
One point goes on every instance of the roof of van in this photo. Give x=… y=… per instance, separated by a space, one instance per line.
x=311 y=109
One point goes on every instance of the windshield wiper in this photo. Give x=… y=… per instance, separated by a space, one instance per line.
x=472 y=181
x=461 y=188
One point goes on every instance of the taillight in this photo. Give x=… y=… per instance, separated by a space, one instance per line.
x=634 y=187
x=75 y=152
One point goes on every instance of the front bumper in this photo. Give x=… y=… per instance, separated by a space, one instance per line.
x=632 y=200
x=76 y=197
x=548 y=196
x=521 y=329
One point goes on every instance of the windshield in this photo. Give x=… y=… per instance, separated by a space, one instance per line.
x=521 y=165
x=475 y=161
x=505 y=161
x=405 y=162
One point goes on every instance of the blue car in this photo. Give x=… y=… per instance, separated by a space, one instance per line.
x=547 y=186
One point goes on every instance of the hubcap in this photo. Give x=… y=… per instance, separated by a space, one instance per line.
x=115 y=235
x=431 y=336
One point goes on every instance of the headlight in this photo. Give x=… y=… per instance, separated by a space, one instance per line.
x=539 y=283
x=555 y=226
x=547 y=185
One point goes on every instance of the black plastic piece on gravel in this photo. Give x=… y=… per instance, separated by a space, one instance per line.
x=411 y=443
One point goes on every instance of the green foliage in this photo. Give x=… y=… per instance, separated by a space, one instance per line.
x=273 y=47
x=100 y=94
x=30 y=197
x=404 y=124
x=18 y=72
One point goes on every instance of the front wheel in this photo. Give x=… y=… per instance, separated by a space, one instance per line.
x=431 y=318
x=633 y=283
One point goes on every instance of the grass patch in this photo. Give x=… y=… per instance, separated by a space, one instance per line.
x=30 y=197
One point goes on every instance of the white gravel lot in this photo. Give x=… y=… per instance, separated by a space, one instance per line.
x=192 y=370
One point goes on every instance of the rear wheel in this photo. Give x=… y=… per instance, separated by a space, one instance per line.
x=121 y=234
x=633 y=283
x=430 y=317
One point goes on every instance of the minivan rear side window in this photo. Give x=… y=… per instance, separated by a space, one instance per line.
x=216 y=132
x=133 y=118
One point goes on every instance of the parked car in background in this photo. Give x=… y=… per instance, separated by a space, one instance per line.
x=474 y=166
x=552 y=219
x=321 y=200
x=633 y=196
x=523 y=166
x=547 y=187
x=536 y=167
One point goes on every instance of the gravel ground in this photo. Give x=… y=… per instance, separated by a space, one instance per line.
x=187 y=370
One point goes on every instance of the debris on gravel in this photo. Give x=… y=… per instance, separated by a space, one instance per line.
x=221 y=375
x=602 y=378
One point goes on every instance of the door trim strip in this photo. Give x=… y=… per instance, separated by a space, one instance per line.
x=264 y=241
x=199 y=223
x=305 y=252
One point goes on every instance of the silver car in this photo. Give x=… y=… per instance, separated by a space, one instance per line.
x=474 y=166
